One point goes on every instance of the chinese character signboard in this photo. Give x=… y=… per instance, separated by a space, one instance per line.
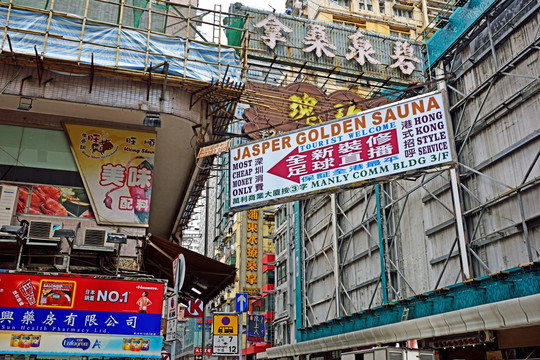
x=117 y=168
x=214 y=149
x=380 y=143
x=301 y=105
x=315 y=46
x=256 y=327
x=252 y=246
x=80 y=305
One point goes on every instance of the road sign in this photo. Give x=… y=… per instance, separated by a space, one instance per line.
x=179 y=270
x=170 y=335
x=171 y=307
x=241 y=302
x=194 y=309
x=225 y=345
x=226 y=324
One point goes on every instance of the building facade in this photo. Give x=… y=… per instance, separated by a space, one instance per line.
x=383 y=264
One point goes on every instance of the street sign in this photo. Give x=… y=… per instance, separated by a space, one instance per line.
x=256 y=327
x=225 y=335
x=171 y=307
x=170 y=335
x=179 y=270
x=226 y=324
x=194 y=309
x=225 y=345
x=241 y=302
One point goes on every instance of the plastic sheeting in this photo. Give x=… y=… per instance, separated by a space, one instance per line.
x=461 y=20
x=27 y=29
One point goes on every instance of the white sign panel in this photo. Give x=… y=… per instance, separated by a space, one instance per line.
x=170 y=335
x=379 y=143
x=225 y=345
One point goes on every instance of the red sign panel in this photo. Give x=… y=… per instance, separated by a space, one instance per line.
x=81 y=293
x=89 y=305
x=194 y=309
x=197 y=350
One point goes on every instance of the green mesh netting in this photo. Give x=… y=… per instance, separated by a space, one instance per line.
x=234 y=37
x=138 y=15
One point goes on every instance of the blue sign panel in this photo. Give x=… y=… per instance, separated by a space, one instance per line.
x=256 y=327
x=241 y=302
x=79 y=321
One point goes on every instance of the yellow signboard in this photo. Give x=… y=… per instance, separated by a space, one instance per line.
x=225 y=324
x=117 y=167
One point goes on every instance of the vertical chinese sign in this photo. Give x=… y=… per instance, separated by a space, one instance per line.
x=252 y=248
x=63 y=315
x=117 y=169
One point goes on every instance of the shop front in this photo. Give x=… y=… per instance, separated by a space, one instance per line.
x=79 y=317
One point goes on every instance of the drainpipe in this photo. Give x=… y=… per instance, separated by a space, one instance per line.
x=381 y=245
x=336 y=255
x=298 y=270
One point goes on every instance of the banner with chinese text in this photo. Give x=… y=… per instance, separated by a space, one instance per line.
x=117 y=169
x=35 y=303
x=251 y=244
x=380 y=143
x=14 y=342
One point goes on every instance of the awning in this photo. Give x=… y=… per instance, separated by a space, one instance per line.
x=209 y=276
x=519 y=312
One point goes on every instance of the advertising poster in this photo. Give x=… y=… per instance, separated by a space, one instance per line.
x=83 y=305
x=117 y=169
x=380 y=143
x=14 y=342
x=53 y=200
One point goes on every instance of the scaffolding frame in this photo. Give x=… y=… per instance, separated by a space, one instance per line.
x=336 y=223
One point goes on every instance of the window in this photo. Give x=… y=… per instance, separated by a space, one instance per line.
x=403 y=12
x=37 y=148
x=381 y=7
x=281 y=273
x=340 y=2
x=268 y=277
x=366 y=5
x=400 y=33
x=347 y=22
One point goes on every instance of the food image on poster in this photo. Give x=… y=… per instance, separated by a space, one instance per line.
x=58 y=294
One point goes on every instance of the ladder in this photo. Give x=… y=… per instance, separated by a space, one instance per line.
x=405 y=314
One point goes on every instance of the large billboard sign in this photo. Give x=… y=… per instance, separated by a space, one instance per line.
x=80 y=305
x=378 y=144
x=313 y=45
x=117 y=167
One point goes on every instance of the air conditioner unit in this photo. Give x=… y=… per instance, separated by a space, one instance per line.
x=94 y=240
x=94 y=237
x=42 y=229
x=41 y=233
x=8 y=203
